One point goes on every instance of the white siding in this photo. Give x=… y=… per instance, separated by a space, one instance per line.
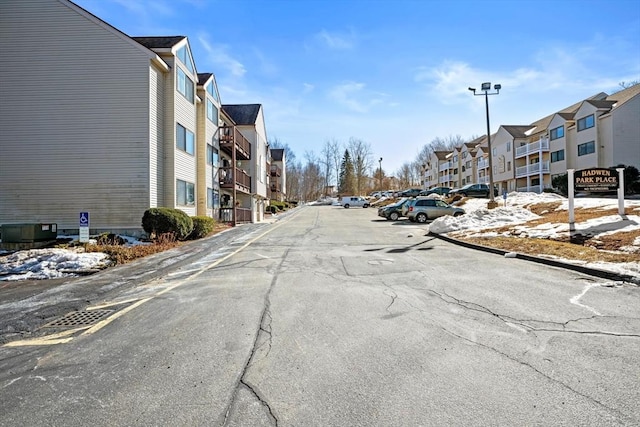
x=626 y=133
x=156 y=137
x=74 y=118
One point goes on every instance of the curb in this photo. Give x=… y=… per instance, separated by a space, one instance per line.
x=554 y=263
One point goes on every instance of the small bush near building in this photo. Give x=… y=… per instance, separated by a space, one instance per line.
x=202 y=227
x=159 y=221
x=279 y=205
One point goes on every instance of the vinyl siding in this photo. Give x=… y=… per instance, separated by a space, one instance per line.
x=156 y=137
x=74 y=119
x=626 y=133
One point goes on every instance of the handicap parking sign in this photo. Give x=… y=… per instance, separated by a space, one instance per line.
x=84 y=219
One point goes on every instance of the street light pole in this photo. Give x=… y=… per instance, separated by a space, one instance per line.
x=380 y=172
x=485 y=88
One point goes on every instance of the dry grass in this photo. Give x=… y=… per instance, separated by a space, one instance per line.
x=121 y=254
x=584 y=248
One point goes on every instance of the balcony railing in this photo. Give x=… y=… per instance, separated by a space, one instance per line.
x=483 y=179
x=242 y=215
x=535 y=147
x=445 y=166
x=275 y=170
x=483 y=163
x=242 y=181
x=532 y=169
x=231 y=138
x=446 y=178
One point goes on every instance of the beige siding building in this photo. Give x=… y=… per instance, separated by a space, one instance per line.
x=96 y=121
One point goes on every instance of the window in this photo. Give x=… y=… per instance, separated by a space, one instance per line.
x=586 y=148
x=557 y=156
x=508 y=146
x=213 y=198
x=455 y=158
x=212 y=112
x=495 y=152
x=212 y=155
x=468 y=164
x=184 y=56
x=585 y=123
x=508 y=166
x=557 y=133
x=212 y=91
x=185 y=194
x=185 y=139
x=185 y=85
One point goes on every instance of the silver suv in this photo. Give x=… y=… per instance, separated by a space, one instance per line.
x=424 y=209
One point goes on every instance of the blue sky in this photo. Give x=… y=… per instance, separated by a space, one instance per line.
x=395 y=73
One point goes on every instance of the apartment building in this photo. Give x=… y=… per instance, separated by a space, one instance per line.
x=249 y=122
x=93 y=120
x=601 y=131
x=278 y=175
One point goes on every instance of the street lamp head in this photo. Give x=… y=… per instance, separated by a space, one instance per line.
x=472 y=89
x=380 y=159
x=486 y=86
x=497 y=86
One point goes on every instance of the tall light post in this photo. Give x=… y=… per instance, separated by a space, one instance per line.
x=380 y=172
x=485 y=88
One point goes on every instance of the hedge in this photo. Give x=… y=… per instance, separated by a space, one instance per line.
x=159 y=221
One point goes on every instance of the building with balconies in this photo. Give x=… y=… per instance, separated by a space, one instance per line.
x=250 y=169
x=278 y=175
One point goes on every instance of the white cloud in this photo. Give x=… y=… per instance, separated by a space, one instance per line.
x=308 y=88
x=338 y=41
x=218 y=56
x=350 y=95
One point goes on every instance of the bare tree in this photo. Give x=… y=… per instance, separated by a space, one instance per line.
x=331 y=162
x=362 y=159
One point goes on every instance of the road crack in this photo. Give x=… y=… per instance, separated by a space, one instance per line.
x=263 y=337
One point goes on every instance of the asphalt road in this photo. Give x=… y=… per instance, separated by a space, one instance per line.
x=331 y=317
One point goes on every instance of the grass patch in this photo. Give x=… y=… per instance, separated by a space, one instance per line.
x=589 y=248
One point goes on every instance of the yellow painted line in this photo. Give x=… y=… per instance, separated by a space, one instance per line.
x=111 y=304
x=58 y=338
x=101 y=324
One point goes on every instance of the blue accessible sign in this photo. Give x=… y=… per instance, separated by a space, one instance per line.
x=84 y=227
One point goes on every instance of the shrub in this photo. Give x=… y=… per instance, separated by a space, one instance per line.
x=157 y=221
x=202 y=227
x=272 y=209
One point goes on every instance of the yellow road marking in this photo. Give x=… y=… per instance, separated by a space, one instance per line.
x=64 y=337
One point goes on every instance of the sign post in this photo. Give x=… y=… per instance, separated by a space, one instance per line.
x=84 y=227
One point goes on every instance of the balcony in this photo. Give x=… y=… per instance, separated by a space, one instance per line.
x=242 y=180
x=445 y=166
x=242 y=215
x=230 y=139
x=483 y=163
x=542 y=145
x=532 y=169
x=275 y=170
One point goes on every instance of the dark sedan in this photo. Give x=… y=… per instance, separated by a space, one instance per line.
x=473 y=190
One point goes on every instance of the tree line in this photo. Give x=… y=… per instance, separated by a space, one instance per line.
x=351 y=169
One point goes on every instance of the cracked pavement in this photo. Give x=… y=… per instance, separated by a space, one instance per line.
x=334 y=318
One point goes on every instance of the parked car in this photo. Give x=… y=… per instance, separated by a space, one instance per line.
x=443 y=191
x=411 y=192
x=473 y=190
x=394 y=210
x=348 y=201
x=424 y=209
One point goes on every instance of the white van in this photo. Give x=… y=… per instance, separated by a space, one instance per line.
x=348 y=201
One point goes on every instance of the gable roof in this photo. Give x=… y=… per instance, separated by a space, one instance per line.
x=517 y=131
x=277 y=154
x=602 y=104
x=624 y=95
x=245 y=114
x=203 y=78
x=161 y=42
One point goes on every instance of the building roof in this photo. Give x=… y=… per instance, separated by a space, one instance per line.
x=624 y=95
x=542 y=124
x=602 y=104
x=165 y=42
x=517 y=131
x=277 y=154
x=203 y=77
x=245 y=114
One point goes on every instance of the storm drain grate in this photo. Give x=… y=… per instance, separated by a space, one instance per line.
x=79 y=318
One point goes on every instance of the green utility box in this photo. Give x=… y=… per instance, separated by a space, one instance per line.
x=27 y=233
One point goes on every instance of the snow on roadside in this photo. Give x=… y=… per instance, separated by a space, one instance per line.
x=50 y=264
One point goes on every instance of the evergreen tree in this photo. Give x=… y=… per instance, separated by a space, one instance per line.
x=346 y=183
